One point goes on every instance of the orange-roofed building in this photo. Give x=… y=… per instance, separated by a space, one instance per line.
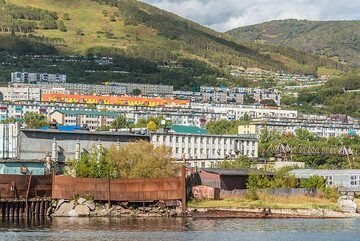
x=110 y=100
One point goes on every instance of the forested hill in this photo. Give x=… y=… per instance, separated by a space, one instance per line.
x=339 y=40
x=135 y=29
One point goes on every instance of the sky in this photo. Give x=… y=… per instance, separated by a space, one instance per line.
x=224 y=15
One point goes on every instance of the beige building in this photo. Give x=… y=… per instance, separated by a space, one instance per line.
x=89 y=119
x=247 y=129
x=20 y=93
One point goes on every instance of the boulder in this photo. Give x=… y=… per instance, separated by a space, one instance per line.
x=81 y=200
x=73 y=213
x=91 y=205
x=347 y=204
x=64 y=209
x=59 y=203
x=82 y=210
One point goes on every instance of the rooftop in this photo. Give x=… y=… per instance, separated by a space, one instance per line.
x=87 y=112
x=86 y=132
x=322 y=172
x=188 y=129
x=235 y=172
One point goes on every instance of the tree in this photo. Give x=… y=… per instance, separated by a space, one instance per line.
x=62 y=26
x=136 y=92
x=34 y=120
x=92 y=164
x=313 y=182
x=66 y=16
x=79 y=32
x=119 y=123
x=283 y=180
x=112 y=18
x=240 y=163
x=142 y=159
x=151 y=125
x=134 y=160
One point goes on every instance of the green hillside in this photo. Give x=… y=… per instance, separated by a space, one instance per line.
x=137 y=33
x=338 y=40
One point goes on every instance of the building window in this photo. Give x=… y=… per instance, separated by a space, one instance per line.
x=354 y=180
x=329 y=180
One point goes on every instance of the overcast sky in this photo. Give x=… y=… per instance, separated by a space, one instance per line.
x=223 y=15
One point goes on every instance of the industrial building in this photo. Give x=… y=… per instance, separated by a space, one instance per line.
x=345 y=179
x=226 y=179
x=60 y=144
x=200 y=149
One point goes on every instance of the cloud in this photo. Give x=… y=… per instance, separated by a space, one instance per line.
x=223 y=15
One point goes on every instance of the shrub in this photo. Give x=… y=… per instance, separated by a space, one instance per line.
x=239 y=163
x=313 y=182
x=252 y=194
x=258 y=180
x=331 y=193
x=135 y=160
x=283 y=180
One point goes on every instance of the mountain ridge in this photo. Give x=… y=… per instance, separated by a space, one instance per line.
x=140 y=30
x=337 y=39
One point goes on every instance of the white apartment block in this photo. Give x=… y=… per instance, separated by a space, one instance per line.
x=207 y=147
x=68 y=88
x=20 y=94
x=321 y=128
x=25 y=77
x=235 y=112
x=146 y=89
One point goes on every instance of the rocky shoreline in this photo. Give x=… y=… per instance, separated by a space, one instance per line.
x=88 y=208
x=268 y=213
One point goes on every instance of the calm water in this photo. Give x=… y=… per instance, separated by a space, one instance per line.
x=179 y=229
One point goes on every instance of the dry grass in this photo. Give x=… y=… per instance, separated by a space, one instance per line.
x=269 y=201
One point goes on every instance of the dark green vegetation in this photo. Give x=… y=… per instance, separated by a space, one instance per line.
x=140 y=37
x=223 y=127
x=338 y=95
x=305 y=139
x=339 y=40
x=134 y=160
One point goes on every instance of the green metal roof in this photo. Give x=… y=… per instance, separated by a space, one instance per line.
x=88 y=112
x=188 y=129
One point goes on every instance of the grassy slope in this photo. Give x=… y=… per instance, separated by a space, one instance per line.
x=85 y=15
x=269 y=201
x=140 y=39
x=339 y=40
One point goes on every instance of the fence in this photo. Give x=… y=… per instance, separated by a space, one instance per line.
x=22 y=186
x=135 y=190
x=238 y=193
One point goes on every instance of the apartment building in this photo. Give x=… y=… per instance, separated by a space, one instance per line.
x=112 y=100
x=206 y=147
x=145 y=89
x=20 y=94
x=83 y=118
x=235 y=112
x=321 y=128
x=237 y=95
x=25 y=77
x=68 y=88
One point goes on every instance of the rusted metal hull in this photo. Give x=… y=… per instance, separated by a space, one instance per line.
x=18 y=186
x=18 y=208
x=119 y=189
